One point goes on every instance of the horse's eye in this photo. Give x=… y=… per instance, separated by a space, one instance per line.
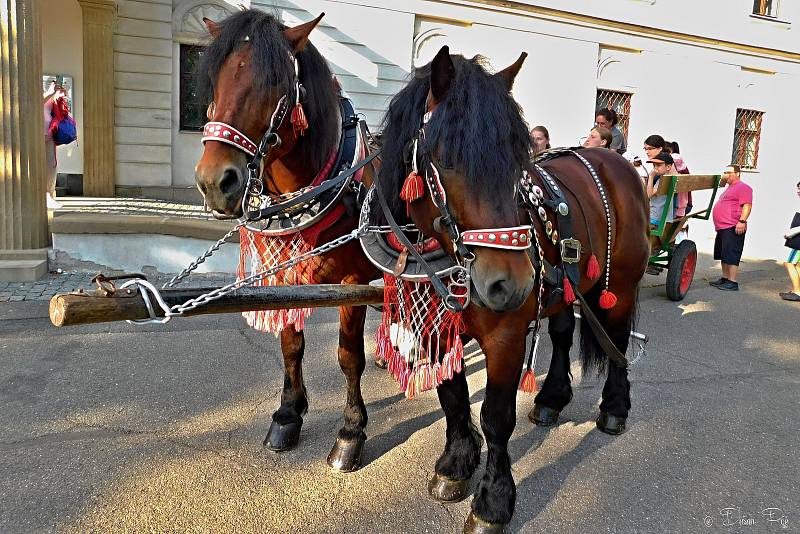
x=241 y=64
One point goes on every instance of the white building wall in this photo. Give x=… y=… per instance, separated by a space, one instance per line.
x=143 y=81
x=685 y=86
x=62 y=53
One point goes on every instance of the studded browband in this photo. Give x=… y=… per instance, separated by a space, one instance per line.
x=225 y=133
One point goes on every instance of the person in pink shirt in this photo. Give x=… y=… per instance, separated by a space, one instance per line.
x=730 y=221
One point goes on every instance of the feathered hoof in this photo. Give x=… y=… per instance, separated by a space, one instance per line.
x=543 y=416
x=446 y=490
x=611 y=424
x=476 y=525
x=282 y=438
x=345 y=455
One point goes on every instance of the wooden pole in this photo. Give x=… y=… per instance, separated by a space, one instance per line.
x=127 y=304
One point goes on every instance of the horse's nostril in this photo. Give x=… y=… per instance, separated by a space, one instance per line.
x=229 y=183
x=500 y=290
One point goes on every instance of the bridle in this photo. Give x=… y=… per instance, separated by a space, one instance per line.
x=517 y=238
x=225 y=133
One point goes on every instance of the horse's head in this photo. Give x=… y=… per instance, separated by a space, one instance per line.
x=251 y=69
x=470 y=151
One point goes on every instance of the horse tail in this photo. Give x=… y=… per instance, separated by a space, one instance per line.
x=593 y=357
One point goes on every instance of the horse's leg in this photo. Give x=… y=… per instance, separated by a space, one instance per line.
x=616 y=392
x=556 y=391
x=496 y=495
x=462 y=451
x=346 y=452
x=284 y=432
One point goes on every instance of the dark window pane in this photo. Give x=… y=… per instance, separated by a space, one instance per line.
x=192 y=110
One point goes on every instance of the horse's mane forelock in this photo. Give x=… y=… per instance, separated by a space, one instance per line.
x=274 y=71
x=478 y=127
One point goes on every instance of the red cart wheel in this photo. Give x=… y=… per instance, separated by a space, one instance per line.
x=681 y=268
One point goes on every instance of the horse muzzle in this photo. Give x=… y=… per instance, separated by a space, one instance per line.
x=500 y=291
x=222 y=191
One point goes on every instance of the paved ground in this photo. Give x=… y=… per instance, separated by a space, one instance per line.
x=119 y=428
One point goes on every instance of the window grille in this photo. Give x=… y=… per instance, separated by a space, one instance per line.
x=746 y=138
x=192 y=110
x=765 y=8
x=619 y=102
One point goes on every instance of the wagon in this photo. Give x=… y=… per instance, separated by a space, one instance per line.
x=679 y=259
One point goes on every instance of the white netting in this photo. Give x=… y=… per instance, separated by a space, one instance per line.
x=259 y=252
x=419 y=337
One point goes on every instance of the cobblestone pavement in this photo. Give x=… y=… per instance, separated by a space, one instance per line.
x=66 y=281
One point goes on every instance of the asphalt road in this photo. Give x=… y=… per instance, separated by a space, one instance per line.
x=115 y=428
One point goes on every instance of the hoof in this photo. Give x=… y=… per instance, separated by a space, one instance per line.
x=282 y=437
x=346 y=454
x=543 y=416
x=446 y=490
x=476 y=525
x=611 y=424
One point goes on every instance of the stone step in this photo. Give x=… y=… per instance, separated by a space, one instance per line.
x=22 y=270
x=27 y=254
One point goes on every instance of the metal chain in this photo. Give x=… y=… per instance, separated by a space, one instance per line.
x=218 y=293
x=205 y=298
x=196 y=263
x=151 y=293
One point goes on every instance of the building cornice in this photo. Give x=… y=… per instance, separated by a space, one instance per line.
x=627 y=27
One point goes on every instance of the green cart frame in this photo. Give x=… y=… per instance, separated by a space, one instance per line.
x=679 y=260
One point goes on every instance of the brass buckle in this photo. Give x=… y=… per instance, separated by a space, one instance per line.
x=570 y=250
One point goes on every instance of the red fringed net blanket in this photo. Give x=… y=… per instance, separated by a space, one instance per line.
x=258 y=252
x=418 y=337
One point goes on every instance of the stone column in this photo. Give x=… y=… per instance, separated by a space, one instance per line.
x=98 y=97
x=23 y=216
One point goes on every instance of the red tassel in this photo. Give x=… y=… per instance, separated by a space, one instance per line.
x=413 y=187
x=569 y=294
x=607 y=299
x=592 y=268
x=528 y=384
x=299 y=121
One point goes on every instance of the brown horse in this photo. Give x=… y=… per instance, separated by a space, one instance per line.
x=252 y=64
x=477 y=142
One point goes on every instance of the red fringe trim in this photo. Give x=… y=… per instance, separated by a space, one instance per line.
x=417 y=374
x=268 y=248
x=592 y=268
x=607 y=299
x=299 y=121
x=413 y=188
x=528 y=383
x=569 y=293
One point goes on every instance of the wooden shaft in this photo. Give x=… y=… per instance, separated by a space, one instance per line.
x=83 y=308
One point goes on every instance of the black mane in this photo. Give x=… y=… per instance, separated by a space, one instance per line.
x=478 y=128
x=274 y=71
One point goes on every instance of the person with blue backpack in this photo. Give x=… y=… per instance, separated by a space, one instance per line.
x=59 y=129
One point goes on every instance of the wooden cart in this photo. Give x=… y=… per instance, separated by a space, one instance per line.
x=679 y=259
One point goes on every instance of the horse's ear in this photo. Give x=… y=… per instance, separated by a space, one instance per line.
x=213 y=27
x=442 y=73
x=298 y=35
x=509 y=73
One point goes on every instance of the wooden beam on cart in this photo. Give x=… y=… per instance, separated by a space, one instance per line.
x=127 y=304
